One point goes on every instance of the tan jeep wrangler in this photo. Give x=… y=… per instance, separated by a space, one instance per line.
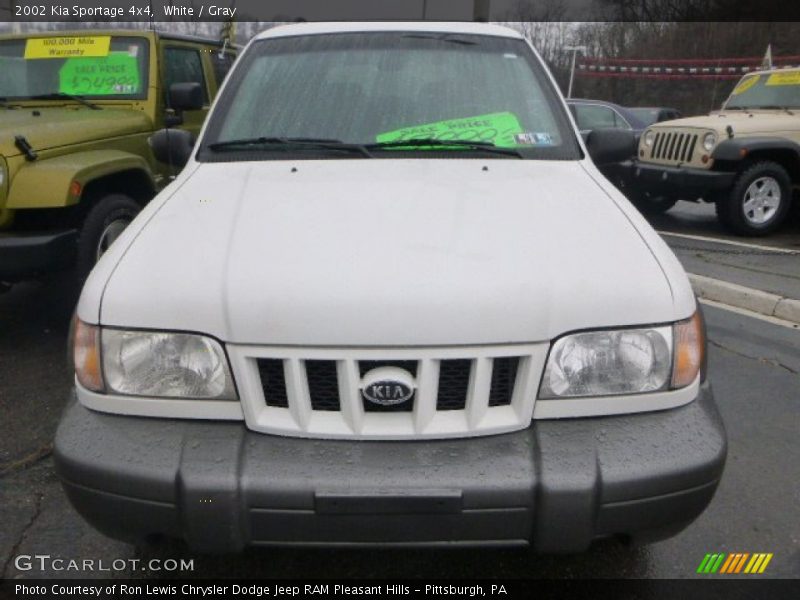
x=745 y=158
x=76 y=113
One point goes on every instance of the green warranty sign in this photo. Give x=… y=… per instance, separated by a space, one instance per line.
x=500 y=129
x=115 y=74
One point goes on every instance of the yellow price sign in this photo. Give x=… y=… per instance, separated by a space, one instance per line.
x=787 y=78
x=67 y=47
x=745 y=84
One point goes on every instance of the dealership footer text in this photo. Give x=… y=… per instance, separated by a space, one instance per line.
x=122 y=589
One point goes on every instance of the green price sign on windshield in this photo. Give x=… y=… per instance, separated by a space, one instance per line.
x=500 y=129
x=112 y=75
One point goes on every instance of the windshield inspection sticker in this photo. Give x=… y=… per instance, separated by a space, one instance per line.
x=497 y=128
x=533 y=139
x=745 y=84
x=790 y=78
x=65 y=47
x=117 y=73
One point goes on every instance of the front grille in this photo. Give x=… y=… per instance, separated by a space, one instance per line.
x=323 y=387
x=504 y=376
x=674 y=146
x=321 y=392
x=453 y=384
x=451 y=392
x=273 y=382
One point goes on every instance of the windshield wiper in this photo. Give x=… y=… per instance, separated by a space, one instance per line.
x=65 y=96
x=776 y=107
x=314 y=143
x=431 y=142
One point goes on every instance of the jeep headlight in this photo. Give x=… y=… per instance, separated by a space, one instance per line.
x=624 y=361
x=709 y=140
x=649 y=137
x=153 y=364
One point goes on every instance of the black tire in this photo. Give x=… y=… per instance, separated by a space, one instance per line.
x=110 y=211
x=731 y=210
x=652 y=205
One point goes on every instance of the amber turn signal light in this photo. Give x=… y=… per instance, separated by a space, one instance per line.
x=86 y=354
x=689 y=352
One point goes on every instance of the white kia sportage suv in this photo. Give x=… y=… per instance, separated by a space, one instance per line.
x=389 y=299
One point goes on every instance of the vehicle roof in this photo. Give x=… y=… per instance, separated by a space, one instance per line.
x=591 y=101
x=360 y=26
x=653 y=108
x=625 y=111
x=118 y=32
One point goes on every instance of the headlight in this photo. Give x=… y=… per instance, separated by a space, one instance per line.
x=602 y=363
x=171 y=365
x=155 y=364
x=649 y=137
x=625 y=361
x=709 y=140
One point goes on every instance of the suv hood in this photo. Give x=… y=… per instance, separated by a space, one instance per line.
x=386 y=252
x=754 y=122
x=56 y=127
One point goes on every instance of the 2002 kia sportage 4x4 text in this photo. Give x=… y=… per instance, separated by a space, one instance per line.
x=390 y=299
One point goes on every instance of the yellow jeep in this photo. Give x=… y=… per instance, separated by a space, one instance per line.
x=76 y=113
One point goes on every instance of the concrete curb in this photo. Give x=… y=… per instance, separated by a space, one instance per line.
x=747 y=298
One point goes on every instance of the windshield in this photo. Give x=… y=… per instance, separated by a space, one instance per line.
x=94 y=66
x=647 y=116
x=767 y=90
x=382 y=88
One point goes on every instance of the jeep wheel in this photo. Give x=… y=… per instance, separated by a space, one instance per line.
x=652 y=205
x=105 y=222
x=758 y=201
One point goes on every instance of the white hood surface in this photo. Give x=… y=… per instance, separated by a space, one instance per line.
x=387 y=253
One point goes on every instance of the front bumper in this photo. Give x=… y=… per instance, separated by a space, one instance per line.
x=678 y=182
x=23 y=255
x=557 y=485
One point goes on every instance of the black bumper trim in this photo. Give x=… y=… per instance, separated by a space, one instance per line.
x=681 y=182
x=557 y=485
x=23 y=255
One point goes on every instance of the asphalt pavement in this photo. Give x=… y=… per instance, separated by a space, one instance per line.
x=699 y=219
x=757 y=274
x=770 y=263
x=754 y=368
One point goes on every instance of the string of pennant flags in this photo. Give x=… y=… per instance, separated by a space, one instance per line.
x=679 y=68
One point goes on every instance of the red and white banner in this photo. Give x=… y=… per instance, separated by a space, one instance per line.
x=678 y=68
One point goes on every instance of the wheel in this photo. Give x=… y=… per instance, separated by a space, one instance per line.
x=759 y=200
x=652 y=205
x=105 y=222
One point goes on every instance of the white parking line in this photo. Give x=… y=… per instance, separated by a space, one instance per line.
x=750 y=313
x=704 y=238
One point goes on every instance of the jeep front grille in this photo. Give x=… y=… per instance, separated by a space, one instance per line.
x=458 y=391
x=674 y=146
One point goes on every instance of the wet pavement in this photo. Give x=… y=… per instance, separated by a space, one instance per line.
x=699 y=219
x=770 y=264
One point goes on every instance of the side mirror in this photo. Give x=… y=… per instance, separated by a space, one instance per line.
x=611 y=145
x=172 y=146
x=185 y=96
